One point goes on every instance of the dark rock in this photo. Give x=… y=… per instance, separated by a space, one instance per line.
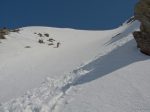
x=3 y=32
x=46 y=34
x=40 y=35
x=50 y=40
x=2 y=36
x=143 y=42
x=50 y=44
x=142 y=37
x=27 y=46
x=41 y=41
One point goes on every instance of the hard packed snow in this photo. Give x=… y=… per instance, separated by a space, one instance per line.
x=91 y=71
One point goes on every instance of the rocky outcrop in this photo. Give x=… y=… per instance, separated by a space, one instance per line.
x=3 y=32
x=142 y=37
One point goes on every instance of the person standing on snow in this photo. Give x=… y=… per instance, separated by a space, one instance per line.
x=58 y=44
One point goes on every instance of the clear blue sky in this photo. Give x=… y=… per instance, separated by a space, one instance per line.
x=79 y=14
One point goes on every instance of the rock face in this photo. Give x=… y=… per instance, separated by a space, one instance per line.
x=3 y=32
x=142 y=37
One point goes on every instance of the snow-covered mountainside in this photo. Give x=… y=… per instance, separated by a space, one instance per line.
x=46 y=69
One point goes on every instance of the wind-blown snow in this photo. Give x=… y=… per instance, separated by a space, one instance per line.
x=115 y=79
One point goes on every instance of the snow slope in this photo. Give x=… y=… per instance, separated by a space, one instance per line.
x=25 y=68
x=92 y=71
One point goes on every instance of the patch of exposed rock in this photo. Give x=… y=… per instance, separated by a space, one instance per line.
x=142 y=37
x=3 y=32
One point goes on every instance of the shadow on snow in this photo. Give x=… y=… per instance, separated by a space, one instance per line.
x=116 y=59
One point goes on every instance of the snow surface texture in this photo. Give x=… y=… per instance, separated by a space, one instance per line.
x=116 y=79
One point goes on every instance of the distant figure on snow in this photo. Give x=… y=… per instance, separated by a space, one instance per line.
x=58 y=44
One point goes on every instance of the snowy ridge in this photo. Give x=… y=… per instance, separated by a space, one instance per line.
x=46 y=98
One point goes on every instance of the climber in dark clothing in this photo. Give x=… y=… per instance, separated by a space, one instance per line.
x=58 y=44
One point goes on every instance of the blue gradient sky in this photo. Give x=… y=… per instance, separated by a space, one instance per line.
x=79 y=14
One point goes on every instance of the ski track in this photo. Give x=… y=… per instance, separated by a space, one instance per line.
x=52 y=92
